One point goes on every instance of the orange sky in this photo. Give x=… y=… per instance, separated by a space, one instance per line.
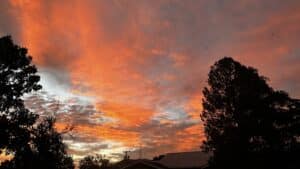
x=129 y=74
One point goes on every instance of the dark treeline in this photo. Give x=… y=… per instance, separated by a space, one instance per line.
x=247 y=123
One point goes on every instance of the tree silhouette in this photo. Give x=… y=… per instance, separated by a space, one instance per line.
x=247 y=123
x=157 y=158
x=17 y=77
x=33 y=145
x=94 y=162
x=90 y=162
x=49 y=150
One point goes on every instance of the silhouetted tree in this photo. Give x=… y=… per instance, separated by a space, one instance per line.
x=17 y=77
x=247 y=123
x=32 y=145
x=157 y=158
x=94 y=162
x=126 y=156
x=90 y=162
x=48 y=148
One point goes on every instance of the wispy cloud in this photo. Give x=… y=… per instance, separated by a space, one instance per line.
x=130 y=73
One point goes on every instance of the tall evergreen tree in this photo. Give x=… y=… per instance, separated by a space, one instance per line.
x=17 y=77
x=33 y=145
x=247 y=123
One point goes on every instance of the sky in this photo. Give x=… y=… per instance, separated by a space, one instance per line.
x=127 y=75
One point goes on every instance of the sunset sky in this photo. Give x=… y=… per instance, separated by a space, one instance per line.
x=128 y=75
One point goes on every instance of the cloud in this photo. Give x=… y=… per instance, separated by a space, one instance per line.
x=8 y=24
x=132 y=72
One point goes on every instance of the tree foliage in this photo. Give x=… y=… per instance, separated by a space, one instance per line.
x=89 y=162
x=17 y=77
x=33 y=145
x=94 y=162
x=247 y=123
x=49 y=150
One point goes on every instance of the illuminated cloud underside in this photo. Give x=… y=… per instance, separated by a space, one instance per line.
x=129 y=74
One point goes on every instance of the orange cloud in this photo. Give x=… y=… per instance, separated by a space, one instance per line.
x=194 y=106
x=140 y=59
x=127 y=115
x=99 y=132
x=190 y=138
